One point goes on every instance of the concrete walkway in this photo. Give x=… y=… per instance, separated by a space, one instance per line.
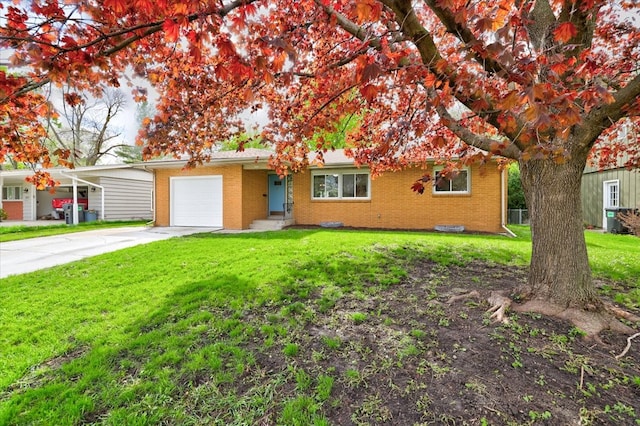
x=19 y=257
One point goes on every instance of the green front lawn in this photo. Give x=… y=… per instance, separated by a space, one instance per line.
x=128 y=337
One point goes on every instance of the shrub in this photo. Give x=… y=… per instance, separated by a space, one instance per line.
x=631 y=220
x=3 y=215
x=516 y=194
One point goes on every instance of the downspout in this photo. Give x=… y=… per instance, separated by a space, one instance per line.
x=503 y=198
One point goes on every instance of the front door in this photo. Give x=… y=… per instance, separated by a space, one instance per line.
x=276 y=195
x=611 y=190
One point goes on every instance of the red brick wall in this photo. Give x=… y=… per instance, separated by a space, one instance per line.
x=14 y=210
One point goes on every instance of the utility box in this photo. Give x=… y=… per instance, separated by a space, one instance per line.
x=68 y=213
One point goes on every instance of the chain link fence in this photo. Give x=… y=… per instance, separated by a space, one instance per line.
x=518 y=216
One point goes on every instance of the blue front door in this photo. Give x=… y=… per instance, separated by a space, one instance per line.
x=276 y=195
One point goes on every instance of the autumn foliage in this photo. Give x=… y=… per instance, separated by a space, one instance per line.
x=435 y=78
x=547 y=82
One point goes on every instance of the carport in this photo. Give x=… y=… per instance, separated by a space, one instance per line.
x=111 y=192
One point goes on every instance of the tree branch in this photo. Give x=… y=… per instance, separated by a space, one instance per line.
x=490 y=65
x=423 y=40
x=477 y=141
x=583 y=20
x=602 y=117
x=152 y=27
x=539 y=23
x=351 y=27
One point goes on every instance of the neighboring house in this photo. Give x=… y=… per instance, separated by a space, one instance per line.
x=236 y=190
x=608 y=189
x=115 y=192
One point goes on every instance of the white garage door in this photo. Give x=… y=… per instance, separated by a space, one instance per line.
x=196 y=201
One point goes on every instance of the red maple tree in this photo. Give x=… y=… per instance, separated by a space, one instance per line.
x=544 y=82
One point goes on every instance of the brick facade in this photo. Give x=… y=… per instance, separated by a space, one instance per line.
x=393 y=204
x=14 y=209
x=242 y=193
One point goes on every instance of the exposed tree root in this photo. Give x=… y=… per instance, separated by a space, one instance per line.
x=499 y=305
x=626 y=349
x=472 y=294
x=592 y=322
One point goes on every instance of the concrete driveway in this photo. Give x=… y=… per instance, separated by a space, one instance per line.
x=19 y=257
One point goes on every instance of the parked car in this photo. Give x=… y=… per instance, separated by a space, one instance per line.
x=57 y=203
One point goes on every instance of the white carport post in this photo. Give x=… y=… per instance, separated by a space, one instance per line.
x=75 y=200
x=75 y=180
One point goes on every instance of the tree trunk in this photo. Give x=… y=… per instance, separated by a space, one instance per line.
x=559 y=273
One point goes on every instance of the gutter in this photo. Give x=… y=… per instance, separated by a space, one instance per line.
x=159 y=164
x=503 y=197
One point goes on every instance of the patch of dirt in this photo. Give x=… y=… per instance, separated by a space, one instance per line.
x=402 y=355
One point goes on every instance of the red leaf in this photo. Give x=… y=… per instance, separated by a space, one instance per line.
x=118 y=6
x=226 y=48
x=73 y=99
x=370 y=72
x=369 y=92
x=171 y=29
x=559 y=68
x=367 y=10
x=565 y=32
x=418 y=187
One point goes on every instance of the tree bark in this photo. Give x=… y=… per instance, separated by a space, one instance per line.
x=559 y=272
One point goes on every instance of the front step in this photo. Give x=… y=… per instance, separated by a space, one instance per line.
x=270 y=224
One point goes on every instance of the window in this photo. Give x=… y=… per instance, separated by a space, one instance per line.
x=457 y=183
x=612 y=194
x=340 y=185
x=11 y=193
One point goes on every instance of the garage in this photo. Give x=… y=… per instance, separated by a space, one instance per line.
x=196 y=201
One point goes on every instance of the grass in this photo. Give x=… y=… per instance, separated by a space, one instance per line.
x=23 y=232
x=160 y=333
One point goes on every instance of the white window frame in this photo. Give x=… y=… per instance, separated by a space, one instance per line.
x=15 y=189
x=615 y=183
x=340 y=175
x=450 y=192
x=606 y=198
